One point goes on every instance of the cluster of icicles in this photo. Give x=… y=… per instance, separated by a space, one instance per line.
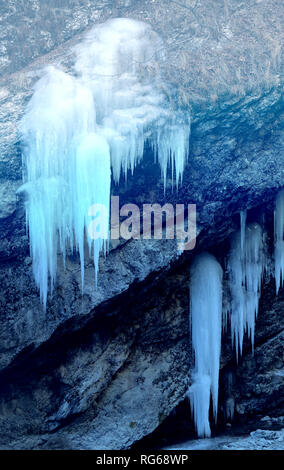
x=246 y=266
x=80 y=129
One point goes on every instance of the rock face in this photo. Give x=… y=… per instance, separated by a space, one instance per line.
x=104 y=369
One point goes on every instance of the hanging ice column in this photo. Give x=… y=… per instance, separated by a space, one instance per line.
x=279 y=240
x=206 y=326
x=67 y=169
x=245 y=266
x=75 y=130
x=119 y=60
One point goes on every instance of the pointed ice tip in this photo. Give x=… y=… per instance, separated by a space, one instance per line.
x=206 y=325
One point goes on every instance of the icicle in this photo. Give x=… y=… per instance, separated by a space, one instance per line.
x=230 y=408
x=131 y=107
x=229 y=402
x=206 y=325
x=226 y=309
x=67 y=169
x=59 y=113
x=243 y=219
x=76 y=130
x=92 y=187
x=254 y=270
x=279 y=240
x=246 y=267
x=172 y=144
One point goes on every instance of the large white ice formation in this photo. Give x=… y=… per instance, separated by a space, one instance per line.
x=247 y=263
x=114 y=62
x=78 y=129
x=246 y=267
x=206 y=327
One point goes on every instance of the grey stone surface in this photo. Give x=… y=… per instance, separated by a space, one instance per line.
x=105 y=385
x=8 y=198
x=104 y=369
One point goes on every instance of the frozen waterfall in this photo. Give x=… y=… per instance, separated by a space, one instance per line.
x=131 y=107
x=206 y=326
x=58 y=123
x=245 y=266
x=79 y=129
